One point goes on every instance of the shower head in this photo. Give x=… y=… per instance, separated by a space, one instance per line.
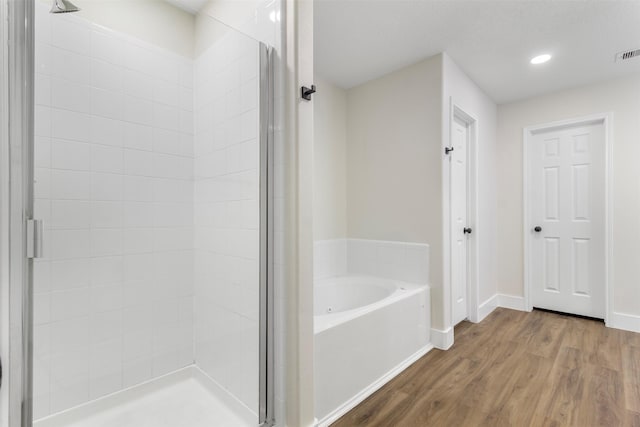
x=63 y=6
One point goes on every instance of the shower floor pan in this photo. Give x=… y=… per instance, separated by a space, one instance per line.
x=185 y=398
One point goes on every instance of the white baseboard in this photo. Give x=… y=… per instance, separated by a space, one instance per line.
x=375 y=386
x=512 y=302
x=627 y=322
x=442 y=340
x=487 y=307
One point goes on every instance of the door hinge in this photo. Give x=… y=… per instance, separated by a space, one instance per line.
x=35 y=234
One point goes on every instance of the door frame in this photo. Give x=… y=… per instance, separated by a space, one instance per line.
x=4 y=211
x=459 y=113
x=606 y=119
x=17 y=181
x=266 y=397
x=16 y=209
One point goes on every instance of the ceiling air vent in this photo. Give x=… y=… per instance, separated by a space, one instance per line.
x=628 y=54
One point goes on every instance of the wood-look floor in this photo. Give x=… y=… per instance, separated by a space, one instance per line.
x=516 y=369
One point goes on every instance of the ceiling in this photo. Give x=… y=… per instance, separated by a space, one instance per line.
x=492 y=41
x=191 y=6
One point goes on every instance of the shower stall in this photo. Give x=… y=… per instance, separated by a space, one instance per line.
x=141 y=198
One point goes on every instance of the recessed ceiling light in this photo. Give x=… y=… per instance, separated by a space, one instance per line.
x=540 y=59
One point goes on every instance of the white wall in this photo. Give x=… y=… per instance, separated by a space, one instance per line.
x=298 y=237
x=622 y=97
x=408 y=262
x=146 y=20
x=263 y=20
x=396 y=128
x=227 y=215
x=259 y=19
x=463 y=92
x=113 y=183
x=394 y=163
x=330 y=161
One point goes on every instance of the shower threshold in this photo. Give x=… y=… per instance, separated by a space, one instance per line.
x=185 y=398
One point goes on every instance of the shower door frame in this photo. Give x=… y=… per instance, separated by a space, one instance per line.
x=17 y=174
x=19 y=141
x=266 y=404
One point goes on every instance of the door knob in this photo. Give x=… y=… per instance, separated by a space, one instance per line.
x=537 y=229
x=467 y=230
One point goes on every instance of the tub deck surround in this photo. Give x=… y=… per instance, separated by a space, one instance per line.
x=362 y=345
x=349 y=292
x=341 y=299
x=405 y=261
x=372 y=318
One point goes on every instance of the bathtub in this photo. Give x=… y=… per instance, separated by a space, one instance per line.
x=367 y=330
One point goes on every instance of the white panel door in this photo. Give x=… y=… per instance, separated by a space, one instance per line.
x=459 y=198
x=567 y=209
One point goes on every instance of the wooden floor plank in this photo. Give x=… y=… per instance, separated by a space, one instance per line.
x=632 y=419
x=561 y=398
x=532 y=379
x=516 y=369
x=603 y=394
x=631 y=377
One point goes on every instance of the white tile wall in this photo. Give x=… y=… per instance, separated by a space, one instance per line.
x=114 y=183
x=227 y=215
x=329 y=258
x=115 y=169
x=404 y=261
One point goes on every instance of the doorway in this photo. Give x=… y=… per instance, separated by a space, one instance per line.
x=463 y=219
x=566 y=216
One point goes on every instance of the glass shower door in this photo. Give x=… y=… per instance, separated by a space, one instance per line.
x=232 y=177
x=151 y=175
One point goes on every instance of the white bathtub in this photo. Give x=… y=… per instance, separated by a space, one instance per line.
x=367 y=330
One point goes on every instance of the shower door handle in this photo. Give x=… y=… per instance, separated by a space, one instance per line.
x=35 y=234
